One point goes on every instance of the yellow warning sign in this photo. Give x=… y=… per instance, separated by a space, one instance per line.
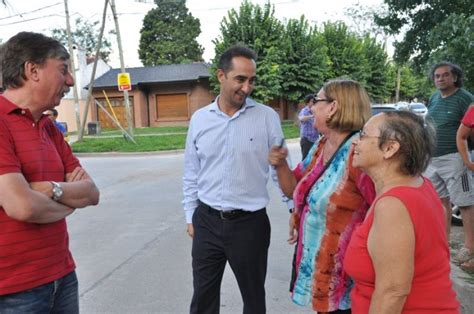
x=124 y=82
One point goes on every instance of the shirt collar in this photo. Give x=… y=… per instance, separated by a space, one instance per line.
x=7 y=107
x=249 y=102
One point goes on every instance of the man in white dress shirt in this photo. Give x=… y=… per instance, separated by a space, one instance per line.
x=224 y=184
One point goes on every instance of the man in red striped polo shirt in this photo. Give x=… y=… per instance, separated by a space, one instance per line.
x=41 y=181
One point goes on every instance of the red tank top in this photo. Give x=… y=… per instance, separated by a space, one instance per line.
x=431 y=290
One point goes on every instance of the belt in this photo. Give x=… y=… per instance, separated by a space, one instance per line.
x=228 y=214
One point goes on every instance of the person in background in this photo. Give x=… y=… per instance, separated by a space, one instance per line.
x=41 y=181
x=225 y=186
x=331 y=197
x=308 y=132
x=447 y=172
x=399 y=256
x=53 y=115
x=465 y=133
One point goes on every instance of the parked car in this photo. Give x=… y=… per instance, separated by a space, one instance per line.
x=418 y=108
x=377 y=108
x=401 y=105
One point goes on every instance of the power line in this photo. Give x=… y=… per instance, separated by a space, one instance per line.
x=32 y=19
x=29 y=12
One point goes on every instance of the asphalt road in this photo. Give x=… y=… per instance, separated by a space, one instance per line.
x=132 y=251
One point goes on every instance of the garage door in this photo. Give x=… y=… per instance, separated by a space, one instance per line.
x=118 y=105
x=172 y=107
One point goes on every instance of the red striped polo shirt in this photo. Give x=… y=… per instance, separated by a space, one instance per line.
x=32 y=254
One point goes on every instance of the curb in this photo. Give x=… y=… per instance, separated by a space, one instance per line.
x=464 y=289
x=130 y=154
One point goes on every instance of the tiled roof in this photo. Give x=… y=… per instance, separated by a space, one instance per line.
x=157 y=74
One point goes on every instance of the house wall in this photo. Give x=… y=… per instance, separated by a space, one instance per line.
x=144 y=102
x=67 y=113
x=139 y=113
x=198 y=95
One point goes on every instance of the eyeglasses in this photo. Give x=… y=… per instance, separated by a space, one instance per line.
x=363 y=135
x=316 y=100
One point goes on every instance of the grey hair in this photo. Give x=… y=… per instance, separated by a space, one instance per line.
x=416 y=137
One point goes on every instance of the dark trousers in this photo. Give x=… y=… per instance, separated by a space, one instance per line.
x=305 y=147
x=243 y=242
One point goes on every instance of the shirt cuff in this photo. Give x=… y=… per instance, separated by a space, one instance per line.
x=290 y=204
x=189 y=215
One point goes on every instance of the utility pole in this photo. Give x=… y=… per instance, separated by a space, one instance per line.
x=397 y=91
x=94 y=68
x=73 y=67
x=122 y=66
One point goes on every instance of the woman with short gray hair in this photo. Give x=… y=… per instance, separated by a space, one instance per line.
x=399 y=256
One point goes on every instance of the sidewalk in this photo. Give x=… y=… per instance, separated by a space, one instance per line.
x=464 y=289
x=463 y=282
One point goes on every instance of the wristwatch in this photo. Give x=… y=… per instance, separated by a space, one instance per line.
x=57 y=191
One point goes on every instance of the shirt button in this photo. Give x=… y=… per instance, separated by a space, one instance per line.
x=33 y=124
x=23 y=112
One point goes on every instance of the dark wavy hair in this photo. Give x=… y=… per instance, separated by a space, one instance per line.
x=308 y=98
x=416 y=138
x=455 y=70
x=24 y=47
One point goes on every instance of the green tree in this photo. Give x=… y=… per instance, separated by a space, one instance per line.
x=168 y=35
x=453 y=40
x=412 y=84
x=85 y=34
x=306 y=62
x=420 y=18
x=346 y=52
x=257 y=28
x=379 y=79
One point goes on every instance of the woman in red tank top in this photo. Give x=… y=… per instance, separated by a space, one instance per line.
x=399 y=257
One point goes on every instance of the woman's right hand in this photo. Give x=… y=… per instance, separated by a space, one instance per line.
x=293 y=231
x=277 y=156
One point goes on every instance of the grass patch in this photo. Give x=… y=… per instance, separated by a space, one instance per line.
x=290 y=130
x=155 y=130
x=147 y=142
x=119 y=144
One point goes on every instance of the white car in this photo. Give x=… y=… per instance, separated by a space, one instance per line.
x=401 y=105
x=377 y=108
x=418 y=109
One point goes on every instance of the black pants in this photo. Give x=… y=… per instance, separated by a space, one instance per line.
x=305 y=147
x=243 y=242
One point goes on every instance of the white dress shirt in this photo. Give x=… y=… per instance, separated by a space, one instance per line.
x=226 y=158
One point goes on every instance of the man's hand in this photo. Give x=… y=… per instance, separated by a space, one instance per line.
x=470 y=166
x=190 y=230
x=77 y=174
x=306 y=118
x=293 y=231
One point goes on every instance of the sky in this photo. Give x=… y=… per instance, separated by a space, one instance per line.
x=44 y=15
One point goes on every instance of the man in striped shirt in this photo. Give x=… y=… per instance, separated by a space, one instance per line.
x=451 y=178
x=225 y=175
x=41 y=181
